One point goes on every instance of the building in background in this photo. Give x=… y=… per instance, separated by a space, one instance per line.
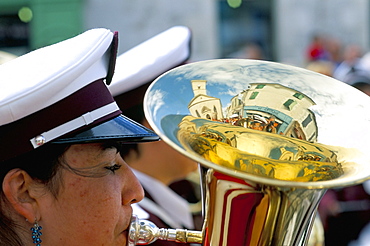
x=277 y=30
x=26 y=25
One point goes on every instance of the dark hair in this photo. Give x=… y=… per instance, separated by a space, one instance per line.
x=41 y=164
x=361 y=86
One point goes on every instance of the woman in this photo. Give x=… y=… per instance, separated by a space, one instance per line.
x=63 y=179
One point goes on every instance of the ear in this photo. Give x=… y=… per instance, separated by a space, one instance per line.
x=17 y=187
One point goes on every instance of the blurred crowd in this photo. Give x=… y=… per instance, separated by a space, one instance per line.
x=348 y=63
x=345 y=212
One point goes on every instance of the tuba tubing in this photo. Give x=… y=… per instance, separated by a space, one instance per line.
x=289 y=212
x=143 y=232
x=270 y=138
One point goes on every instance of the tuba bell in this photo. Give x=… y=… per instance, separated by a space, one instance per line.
x=270 y=140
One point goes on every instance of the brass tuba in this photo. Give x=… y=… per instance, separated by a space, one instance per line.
x=270 y=139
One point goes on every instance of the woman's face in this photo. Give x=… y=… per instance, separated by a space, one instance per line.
x=91 y=210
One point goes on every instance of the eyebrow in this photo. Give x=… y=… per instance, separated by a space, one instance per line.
x=93 y=170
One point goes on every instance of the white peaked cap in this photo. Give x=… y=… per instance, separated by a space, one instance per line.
x=5 y=57
x=47 y=75
x=148 y=60
x=49 y=93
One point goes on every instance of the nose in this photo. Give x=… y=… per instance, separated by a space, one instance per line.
x=133 y=192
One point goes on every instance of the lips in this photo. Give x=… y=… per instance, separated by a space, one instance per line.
x=132 y=231
x=127 y=227
x=128 y=223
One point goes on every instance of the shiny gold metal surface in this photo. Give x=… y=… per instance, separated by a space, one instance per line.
x=143 y=232
x=246 y=150
x=271 y=139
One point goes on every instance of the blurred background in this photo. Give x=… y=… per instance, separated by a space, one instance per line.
x=279 y=30
x=327 y=36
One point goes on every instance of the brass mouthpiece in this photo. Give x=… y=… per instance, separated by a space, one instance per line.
x=143 y=232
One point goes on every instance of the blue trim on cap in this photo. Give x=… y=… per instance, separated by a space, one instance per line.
x=119 y=128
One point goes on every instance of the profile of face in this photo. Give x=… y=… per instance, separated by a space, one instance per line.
x=93 y=204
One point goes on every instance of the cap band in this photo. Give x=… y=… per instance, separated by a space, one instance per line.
x=67 y=127
x=16 y=136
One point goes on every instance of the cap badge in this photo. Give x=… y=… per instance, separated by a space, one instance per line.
x=40 y=140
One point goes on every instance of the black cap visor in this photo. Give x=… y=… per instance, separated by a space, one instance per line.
x=120 y=129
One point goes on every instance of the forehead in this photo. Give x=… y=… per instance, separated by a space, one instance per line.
x=90 y=152
x=86 y=147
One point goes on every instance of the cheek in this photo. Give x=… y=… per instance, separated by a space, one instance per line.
x=85 y=206
x=90 y=193
x=93 y=200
